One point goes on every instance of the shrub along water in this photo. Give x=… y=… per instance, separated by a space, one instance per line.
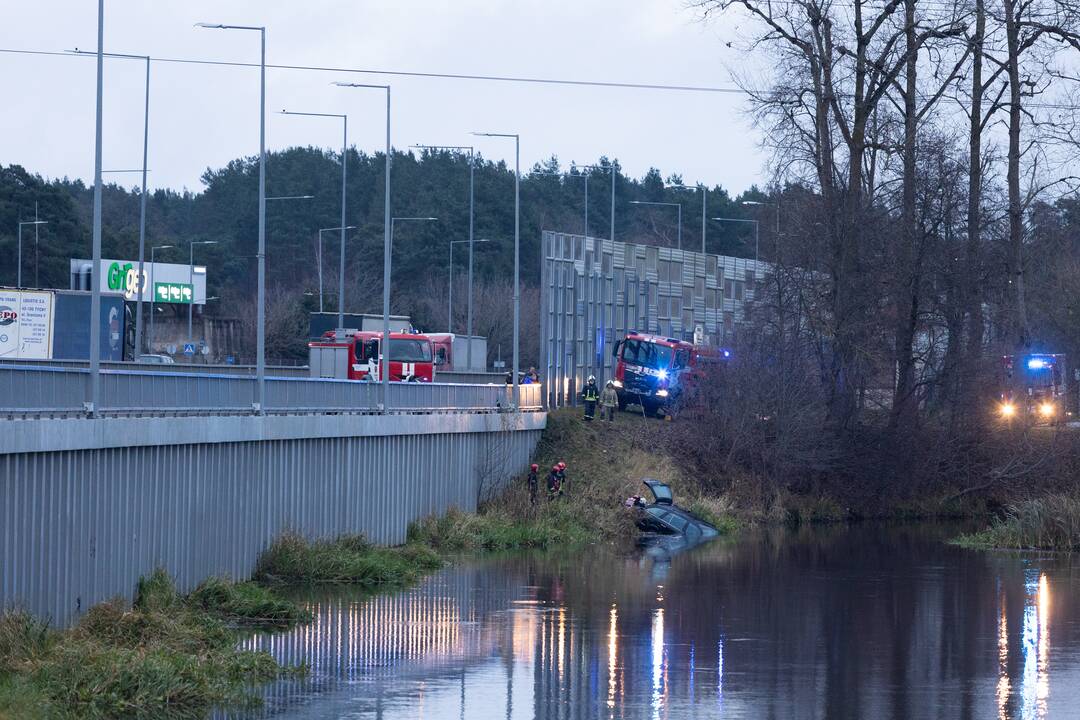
x=349 y=559
x=167 y=656
x=1047 y=523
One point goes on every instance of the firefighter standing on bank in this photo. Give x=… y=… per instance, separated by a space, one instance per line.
x=609 y=400
x=533 y=482
x=590 y=395
x=553 y=485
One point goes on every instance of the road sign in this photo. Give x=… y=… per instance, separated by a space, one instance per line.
x=189 y=348
x=205 y=349
x=171 y=348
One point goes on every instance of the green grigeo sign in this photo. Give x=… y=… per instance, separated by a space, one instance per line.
x=165 y=292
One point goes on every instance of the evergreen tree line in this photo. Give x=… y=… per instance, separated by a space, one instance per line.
x=426 y=184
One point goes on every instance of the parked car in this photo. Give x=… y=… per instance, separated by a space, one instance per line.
x=154 y=359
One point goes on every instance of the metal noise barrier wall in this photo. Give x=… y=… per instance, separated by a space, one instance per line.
x=594 y=291
x=78 y=527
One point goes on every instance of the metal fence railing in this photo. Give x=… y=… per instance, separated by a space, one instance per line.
x=34 y=391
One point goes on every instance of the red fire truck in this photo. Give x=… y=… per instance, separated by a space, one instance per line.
x=653 y=371
x=357 y=356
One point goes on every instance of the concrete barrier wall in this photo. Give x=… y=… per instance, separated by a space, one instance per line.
x=81 y=521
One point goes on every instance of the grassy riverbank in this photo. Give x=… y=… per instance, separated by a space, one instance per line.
x=605 y=464
x=1047 y=523
x=167 y=656
x=176 y=656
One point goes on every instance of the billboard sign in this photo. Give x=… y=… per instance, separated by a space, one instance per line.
x=161 y=282
x=26 y=322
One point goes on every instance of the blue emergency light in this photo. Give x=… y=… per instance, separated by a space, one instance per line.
x=1036 y=364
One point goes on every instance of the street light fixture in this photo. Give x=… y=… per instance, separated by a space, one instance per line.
x=517 y=254
x=666 y=204
x=387 y=230
x=341 y=274
x=766 y=204
x=472 y=207
x=450 y=299
x=343 y=228
x=703 y=202
x=18 y=271
x=756 y=233
x=191 y=278
x=153 y=294
x=260 y=342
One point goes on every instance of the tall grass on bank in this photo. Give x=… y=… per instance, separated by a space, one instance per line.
x=349 y=559
x=167 y=656
x=1051 y=522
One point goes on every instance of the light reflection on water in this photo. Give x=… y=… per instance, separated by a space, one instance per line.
x=840 y=623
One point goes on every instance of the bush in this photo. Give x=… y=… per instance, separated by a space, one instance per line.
x=346 y=560
x=1048 y=523
x=166 y=656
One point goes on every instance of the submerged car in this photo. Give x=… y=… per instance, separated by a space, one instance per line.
x=663 y=517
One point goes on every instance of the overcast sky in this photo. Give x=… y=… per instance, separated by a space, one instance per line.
x=203 y=116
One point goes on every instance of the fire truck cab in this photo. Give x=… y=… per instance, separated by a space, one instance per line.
x=1033 y=387
x=357 y=355
x=651 y=371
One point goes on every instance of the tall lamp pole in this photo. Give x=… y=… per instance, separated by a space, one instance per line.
x=664 y=204
x=601 y=168
x=191 y=278
x=386 y=237
x=700 y=187
x=472 y=206
x=344 y=182
x=142 y=196
x=260 y=341
x=95 y=276
x=517 y=255
x=756 y=234
x=153 y=294
x=450 y=298
x=18 y=271
x=341 y=273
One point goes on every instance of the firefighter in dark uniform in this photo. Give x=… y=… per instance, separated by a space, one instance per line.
x=562 y=477
x=553 y=485
x=533 y=481
x=590 y=395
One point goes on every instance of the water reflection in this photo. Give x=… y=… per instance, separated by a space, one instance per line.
x=842 y=623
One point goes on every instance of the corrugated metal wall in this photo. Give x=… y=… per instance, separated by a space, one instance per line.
x=594 y=291
x=80 y=527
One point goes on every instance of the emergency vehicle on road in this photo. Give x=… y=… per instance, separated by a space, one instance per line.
x=357 y=355
x=654 y=371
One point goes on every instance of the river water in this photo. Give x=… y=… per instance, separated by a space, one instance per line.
x=844 y=622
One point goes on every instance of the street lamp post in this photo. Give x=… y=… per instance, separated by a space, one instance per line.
x=666 y=204
x=18 y=271
x=472 y=206
x=387 y=230
x=756 y=235
x=611 y=170
x=517 y=254
x=191 y=278
x=341 y=273
x=260 y=342
x=450 y=299
x=344 y=182
x=95 y=276
x=153 y=294
x=142 y=196
x=700 y=187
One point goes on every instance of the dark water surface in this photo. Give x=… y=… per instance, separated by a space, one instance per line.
x=861 y=622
